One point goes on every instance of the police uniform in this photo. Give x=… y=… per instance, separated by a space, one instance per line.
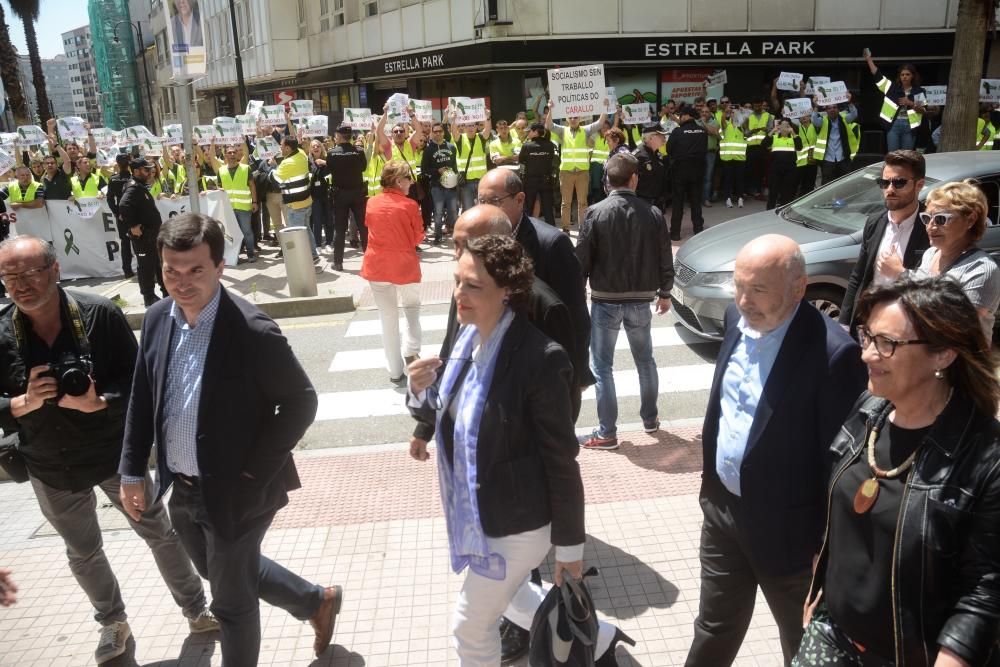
x=653 y=179
x=688 y=148
x=349 y=191
x=537 y=157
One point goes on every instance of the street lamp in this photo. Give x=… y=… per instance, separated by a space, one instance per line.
x=137 y=27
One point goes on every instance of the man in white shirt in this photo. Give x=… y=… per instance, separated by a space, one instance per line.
x=892 y=241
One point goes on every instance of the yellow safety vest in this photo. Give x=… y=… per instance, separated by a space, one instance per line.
x=758 y=128
x=294 y=180
x=733 y=145
x=237 y=186
x=373 y=173
x=889 y=107
x=179 y=174
x=16 y=196
x=601 y=151
x=158 y=186
x=419 y=155
x=88 y=188
x=406 y=154
x=506 y=148
x=477 y=163
x=807 y=134
x=575 y=151
x=783 y=145
x=853 y=140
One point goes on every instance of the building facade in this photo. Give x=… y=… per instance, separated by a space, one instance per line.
x=57 y=85
x=82 y=68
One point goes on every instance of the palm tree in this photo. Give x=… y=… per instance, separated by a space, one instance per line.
x=975 y=20
x=27 y=11
x=10 y=73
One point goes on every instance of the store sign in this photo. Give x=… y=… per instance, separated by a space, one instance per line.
x=414 y=63
x=730 y=48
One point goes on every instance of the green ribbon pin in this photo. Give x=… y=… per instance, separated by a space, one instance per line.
x=70 y=246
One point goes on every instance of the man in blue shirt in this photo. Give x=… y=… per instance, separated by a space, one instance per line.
x=837 y=158
x=785 y=380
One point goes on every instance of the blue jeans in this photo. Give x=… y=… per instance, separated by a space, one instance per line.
x=900 y=136
x=243 y=219
x=706 y=188
x=467 y=194
x=606 y=320
x=299 y=217
x=444 y=197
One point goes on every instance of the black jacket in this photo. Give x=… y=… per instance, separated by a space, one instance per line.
x=138 y=207
x=537 y=156
x=815 y=380
x=64 y=448
x=256 y=403
x=346 y=165
x=653 y=175
x=116 y=188
x=688 y=143
x=864 y=270
x=624 y=249
x=436 y=156
x=946 y=587
x=526 y=456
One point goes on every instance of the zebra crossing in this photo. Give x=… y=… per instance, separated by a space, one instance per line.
x=358 y=405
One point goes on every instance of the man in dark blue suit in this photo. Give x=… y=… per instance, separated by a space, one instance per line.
x=785 y=380
x=218 y=389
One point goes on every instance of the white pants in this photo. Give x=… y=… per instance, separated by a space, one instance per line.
x=483 y=601
x=386 y=300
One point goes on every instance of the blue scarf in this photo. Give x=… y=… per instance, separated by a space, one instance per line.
x=458 y=478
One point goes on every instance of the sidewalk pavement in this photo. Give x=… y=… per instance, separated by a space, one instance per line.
x=369 y=518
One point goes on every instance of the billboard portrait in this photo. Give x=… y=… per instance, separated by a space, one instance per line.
x=186 y=36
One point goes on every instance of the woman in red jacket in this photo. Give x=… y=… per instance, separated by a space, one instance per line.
x=391 y=266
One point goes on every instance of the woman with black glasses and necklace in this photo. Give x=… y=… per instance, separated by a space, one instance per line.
x=909 y=571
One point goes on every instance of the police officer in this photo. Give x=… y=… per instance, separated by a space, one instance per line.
x=653 y=180
x=536 y=158
x=346 y=165
x=688 y=148
x=140 y=216
x=116 y=188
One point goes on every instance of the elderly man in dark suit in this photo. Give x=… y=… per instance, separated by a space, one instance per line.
x=785 y=379
x=218 y=389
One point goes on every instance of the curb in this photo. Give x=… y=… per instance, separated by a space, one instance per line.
x=299 y=307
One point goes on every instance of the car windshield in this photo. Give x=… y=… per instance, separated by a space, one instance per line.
x=843 y=206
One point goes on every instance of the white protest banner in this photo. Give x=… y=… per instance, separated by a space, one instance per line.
x=813 y=81
x=831 y=93
x=577 y=91
x=740 y=116
x=789 y=81
x=717 y=78
x=7 y=161
x=254 y=107
x=106 y=157
x=267 y=147
x=203 y=134
x=120 y=138
x=797 y=107
x=272 y=114
x=137 y=133
x=31 y=135
x=103 y=137
x=214 y=204
x=397 y=109
x=8 y=141
x=421 y=110
x=227 y=130
x=989 y=90
x=316 y=126
x=84 y=207
x=937 y=96
x=358 y=119
x=636 y=114
x=299 y=109
x=174 y=134
x=467 y=109
x=71 y=128
x=247 y=123
x=152 y=148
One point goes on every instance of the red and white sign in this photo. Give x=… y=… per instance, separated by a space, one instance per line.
x=284 y=96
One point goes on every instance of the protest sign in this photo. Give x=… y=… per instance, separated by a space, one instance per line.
x=790 y=81
x=797 y=107
x=717 y=78
x=227 y=130
x=577 y=91
x=174 y=134
x=358 y=119
x=989 y=90
x=636 y=114
x=152 y=148
x=31 y=135
x=299 y=109
x=8 y=141
x=421 y=110
x=106 y=157
x=7 y=161
x=135 y=134
x=247 y=123
x=254 y=107
x=267 y=147
x=103 y=137
x=936 y=96
x=316 y=126
x=203 y=134
x=813 y=81
x=612 y=97
x=71 y=128
x=467 y=109
x=272 y=114
x=83 y=207
x=831 y=93
x=397 y=109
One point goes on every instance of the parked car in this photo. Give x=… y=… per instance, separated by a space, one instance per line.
x=827 y=224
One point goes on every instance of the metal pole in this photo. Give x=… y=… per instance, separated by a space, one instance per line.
x=145 y=75
x=184 y=102
x=242 y=86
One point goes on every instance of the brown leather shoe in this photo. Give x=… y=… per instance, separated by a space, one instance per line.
x=326 y=617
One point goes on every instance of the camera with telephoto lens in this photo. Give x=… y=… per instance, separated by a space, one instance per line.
x=72 y=374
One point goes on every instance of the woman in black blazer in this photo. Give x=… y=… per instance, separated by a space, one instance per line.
x=510 y=483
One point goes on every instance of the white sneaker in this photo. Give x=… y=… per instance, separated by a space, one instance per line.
x=739 y=202
x=112 y=642
x=729 y=202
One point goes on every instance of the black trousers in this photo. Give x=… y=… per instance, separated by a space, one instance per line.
x=829 y=171
x=346 y=202
x=239 y=576
x=125 y=241
x=149 y=271
x=729 y=581
x=755 y=169
x=807 y=178
x=782 y=180
x=688 y=178
x=539 y=187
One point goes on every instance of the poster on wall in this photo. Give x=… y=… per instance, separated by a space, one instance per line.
x=535 y=98
x=687 y=83
x=186 y=38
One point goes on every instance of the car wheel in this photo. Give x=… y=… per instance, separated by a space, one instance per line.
x=826 y=299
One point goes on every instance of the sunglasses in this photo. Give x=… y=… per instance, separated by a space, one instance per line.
x=939 y=219
x=898 y=183
x=398 y=132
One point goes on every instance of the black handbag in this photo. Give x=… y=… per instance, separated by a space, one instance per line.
x=11 y=460
x=564 y=630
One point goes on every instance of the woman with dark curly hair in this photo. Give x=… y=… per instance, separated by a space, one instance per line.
x=510 y=483
x=909 y=571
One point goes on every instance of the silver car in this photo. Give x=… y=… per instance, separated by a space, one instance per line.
x=827 y=224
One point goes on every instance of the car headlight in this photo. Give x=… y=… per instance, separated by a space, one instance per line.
x=719 y=279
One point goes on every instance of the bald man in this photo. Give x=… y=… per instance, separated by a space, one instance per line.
x=785 y=380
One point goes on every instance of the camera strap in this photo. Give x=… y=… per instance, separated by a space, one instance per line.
x=72 y=311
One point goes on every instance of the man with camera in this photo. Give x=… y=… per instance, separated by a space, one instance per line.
x=69 y=358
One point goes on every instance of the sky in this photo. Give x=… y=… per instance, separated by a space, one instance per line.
x=54 y=18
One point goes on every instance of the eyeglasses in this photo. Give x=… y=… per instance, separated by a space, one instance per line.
x=939 y=219
x=434 y=400
x=885 y=346
x=33 y=276
x=898 y=183
x=493 y=201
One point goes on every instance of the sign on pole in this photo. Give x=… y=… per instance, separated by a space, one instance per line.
x=577 y=91
x=186 y=38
